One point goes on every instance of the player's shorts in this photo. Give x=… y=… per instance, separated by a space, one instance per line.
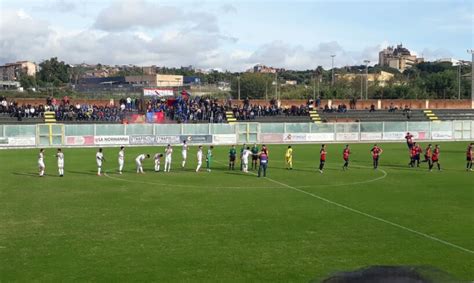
x=168 y=160
x=138 y=163
x=99 y=163
x=375 y=157
x=199 y=162
x=121 y=161
x=61 y=164
x=245 y=161
x=410 y=145
x=232 y=158
x=417 y=157
x=434 y=159
x=157 y=162
x=469 y=158
x=346 y=158
x=41 y=164
x=184 y=154
x=254 y=157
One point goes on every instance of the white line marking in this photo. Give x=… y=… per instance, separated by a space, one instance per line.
x=369 y=215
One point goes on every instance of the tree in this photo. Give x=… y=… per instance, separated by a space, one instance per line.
x=252 y=85
x=27 y=81
x=54 y=72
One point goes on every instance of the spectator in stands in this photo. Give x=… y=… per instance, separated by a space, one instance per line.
x=372 y=108
x=392 y=108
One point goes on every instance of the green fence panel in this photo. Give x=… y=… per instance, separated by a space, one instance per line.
x=139 y=129
x=418 y=126
x=442 y=126
x=322 y=128
x=223 y=129
x=20 y=131
x=272 y=128
x=168 y=129
x=395 y=127
x=109 y=130
x=371 y=127
x=196 y=129
x=1 y=130
x=297 y=127
x=79 y=130
x=347 y=128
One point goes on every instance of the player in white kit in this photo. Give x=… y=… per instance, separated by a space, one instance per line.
x=99 y=158
x=121 y=159
x=199 y=158
x=60 y=157
x=157 y=158
x=184 y=153
x=245 y=159
x=168 y=153
x=41 y=163
x=139 y=161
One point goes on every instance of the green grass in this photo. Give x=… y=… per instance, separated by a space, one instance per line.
x=228 y=226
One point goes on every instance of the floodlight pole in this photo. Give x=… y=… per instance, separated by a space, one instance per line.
x=459 y=80
x=366 y=79
x=332 y=69
x=238 y=88
x=472 y=77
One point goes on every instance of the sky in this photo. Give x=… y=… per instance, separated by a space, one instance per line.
x=232 y=35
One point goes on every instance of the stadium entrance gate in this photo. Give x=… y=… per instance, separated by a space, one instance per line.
x=49 y=134
x=248 y=132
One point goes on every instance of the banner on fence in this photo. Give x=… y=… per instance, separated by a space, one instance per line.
x=297 y=137
x=394 y=135
x=143 y=139
x=370 y=136
x=167 y=139
x=197 y=138
x=158 y=92
x=271 y=138
x=315 y=137
x=347 y=136
x=224 y=139
x=442 y=135
x=117 y=140
x=22 y=141
x=80 y=140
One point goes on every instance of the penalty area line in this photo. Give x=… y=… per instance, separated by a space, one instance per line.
x=373 y=217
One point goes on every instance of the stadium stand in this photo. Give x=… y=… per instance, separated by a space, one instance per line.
x=454 y=114
x=372 y=116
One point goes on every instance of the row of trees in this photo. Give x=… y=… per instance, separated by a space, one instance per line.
x=424 y=80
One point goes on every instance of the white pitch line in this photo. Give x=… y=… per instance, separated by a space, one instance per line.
x=374 y=217
x=369 y=215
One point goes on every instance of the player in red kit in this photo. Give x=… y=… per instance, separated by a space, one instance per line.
x=322 y=158
x=376 y=152
x=345 y=155
x=435 y=158
x=414 y=156
x=419 y=150
x=469 y=153
x=409 y=138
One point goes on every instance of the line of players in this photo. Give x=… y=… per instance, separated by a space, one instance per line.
x=259 y=158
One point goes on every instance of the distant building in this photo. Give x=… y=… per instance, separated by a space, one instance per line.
x=259 y=68
x=453 y=61
x=381 y=78
x=156 y=80
x=291 y=82
x=13 y=71
x=398 y=58
x=191 y=80
x=150 y=70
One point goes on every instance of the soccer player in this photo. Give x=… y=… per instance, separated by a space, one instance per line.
x=157 y=159
x=168 y=153
x=469 y=156
x=199 y=158
x=409 y=138
x=232 y=155
x=435 y=158
x=345 y=155
x=209 y=158
x=121 y=159
x=184 y=153
x=245 y=159
x=255 y=152
x=244 y=146
x=376 y=151
x=428 y=154
x=139 y=162
x=99 y=158
x=288 y=158
x=263 y=164
x=413 y=152
x=41 y=162
x=419 y=150
x=322 y=158
x=60 y=157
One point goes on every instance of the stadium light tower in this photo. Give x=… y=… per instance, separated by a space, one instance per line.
x=332 y=69
x=238 y=88
x=366 y=79
x=471 y=51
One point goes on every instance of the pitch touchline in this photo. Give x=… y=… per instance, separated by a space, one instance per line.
x=369 y=215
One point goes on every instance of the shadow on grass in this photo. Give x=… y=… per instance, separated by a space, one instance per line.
x=29 y=174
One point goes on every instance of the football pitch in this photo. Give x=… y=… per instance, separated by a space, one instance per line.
x=295 y=225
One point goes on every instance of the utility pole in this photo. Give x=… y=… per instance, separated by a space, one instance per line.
x=366 y=79
x=459 y=80
x=472 y=77
x=314 y=88
x=266 y=91
x=238 y=88
x=361 y=84
x=332 y=69
x=276 y=86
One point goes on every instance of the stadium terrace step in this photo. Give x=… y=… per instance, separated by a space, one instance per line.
x=374 y=116
x=314 y=115
x=229 y=116
x=454 y=114
x=49 y=117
